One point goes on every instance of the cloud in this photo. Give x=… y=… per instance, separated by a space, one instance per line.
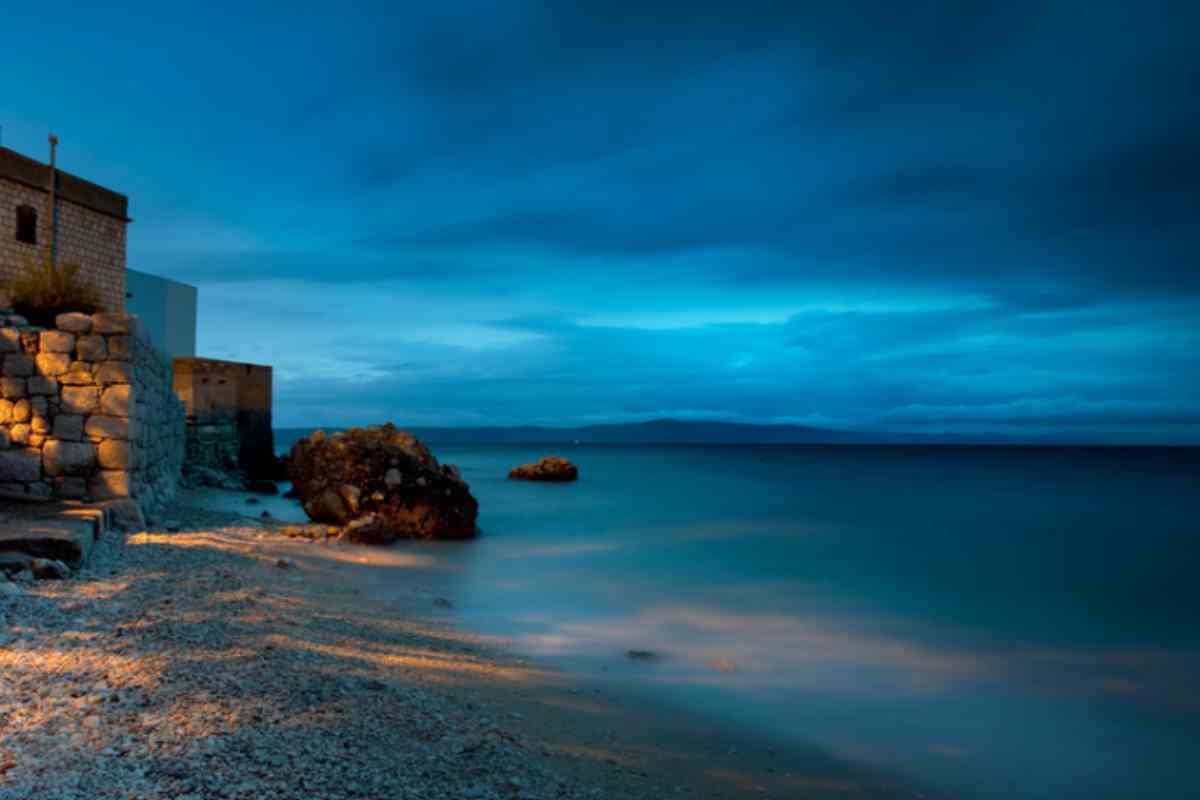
x=860 y=212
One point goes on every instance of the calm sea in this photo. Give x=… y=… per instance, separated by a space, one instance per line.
x=984 y=622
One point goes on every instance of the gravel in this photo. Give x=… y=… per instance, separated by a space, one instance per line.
x=197 y=665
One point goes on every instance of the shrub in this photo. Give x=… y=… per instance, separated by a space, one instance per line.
x=42 y=291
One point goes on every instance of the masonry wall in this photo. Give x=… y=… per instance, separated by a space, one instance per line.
x=87 y=412
x=97 y=243
x=92 y=239
x=228 y=409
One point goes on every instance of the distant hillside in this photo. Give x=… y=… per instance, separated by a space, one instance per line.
x=657 y=432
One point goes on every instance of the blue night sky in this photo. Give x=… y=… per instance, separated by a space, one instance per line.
x=951 y=217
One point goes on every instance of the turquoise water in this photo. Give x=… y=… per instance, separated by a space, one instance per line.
x=979 y=622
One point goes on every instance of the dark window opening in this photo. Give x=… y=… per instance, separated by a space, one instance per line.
x=27 y=224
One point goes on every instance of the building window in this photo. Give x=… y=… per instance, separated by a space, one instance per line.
x=27 y=224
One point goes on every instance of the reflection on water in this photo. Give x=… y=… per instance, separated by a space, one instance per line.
x=992 y=622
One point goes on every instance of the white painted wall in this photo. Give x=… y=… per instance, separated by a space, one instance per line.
x=167 y=311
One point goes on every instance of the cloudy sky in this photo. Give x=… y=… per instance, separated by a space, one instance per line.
x=928 y=216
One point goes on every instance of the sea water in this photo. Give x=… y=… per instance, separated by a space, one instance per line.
x=980 y=622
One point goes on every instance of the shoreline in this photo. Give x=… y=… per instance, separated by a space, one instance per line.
x=193 y=662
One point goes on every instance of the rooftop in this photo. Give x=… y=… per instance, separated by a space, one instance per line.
x=36 y=175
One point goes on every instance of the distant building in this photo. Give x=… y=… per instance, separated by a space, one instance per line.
x=228 y=409
x=166 y=312
x=45 y=211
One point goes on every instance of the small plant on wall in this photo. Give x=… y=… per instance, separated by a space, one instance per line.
x=44 y=290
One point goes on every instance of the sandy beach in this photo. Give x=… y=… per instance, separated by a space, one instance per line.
x=215 y=657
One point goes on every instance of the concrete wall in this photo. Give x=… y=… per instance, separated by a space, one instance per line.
x=87 y=412
x=228 y=407
x=166 y=312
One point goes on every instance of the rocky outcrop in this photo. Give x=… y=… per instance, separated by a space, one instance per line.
x=548 y=468
x=380 y=483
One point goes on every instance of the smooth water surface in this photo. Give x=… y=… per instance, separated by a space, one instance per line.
x=982 y=622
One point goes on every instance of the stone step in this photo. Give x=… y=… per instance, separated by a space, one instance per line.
x=62 y=531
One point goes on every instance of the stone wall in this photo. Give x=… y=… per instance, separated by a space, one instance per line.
x=91 y=224
x=87 y=412
x=228 y=408
x=96 y=242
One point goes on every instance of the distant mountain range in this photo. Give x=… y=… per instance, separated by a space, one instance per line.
x=660 y=432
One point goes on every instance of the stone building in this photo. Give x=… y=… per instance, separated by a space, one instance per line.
x=45 y=211
x=228 y=409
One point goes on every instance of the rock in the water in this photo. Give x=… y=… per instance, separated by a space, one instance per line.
x=46 y=569
x=371 y=529
x=549 y=468
x=9 y=589
x=349 y=478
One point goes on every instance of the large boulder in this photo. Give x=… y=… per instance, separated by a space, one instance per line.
x=385 y=477
x=548 y=468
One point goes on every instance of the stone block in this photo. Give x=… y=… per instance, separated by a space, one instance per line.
x=105 y=427
x=115 y=400
x=73 y=322
x=115 y=454
x=36 y=439
x=30 y=340
x=78 y=374
x=20 y=434
x=114 y=322
x=6 y=408
x=120 y=348
x=20 y=466
x=53 y=363
x=68 y=458
x=69 y=427
x=56 y=342
x=91 y=348
x=41 y=385
x=12 y=388
x=126 y=514
x=110 y=484
x=22 y=411
x=114 y=372
x=70 y=488
x=18 y=366
x=10 y=340
x=81 y=399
